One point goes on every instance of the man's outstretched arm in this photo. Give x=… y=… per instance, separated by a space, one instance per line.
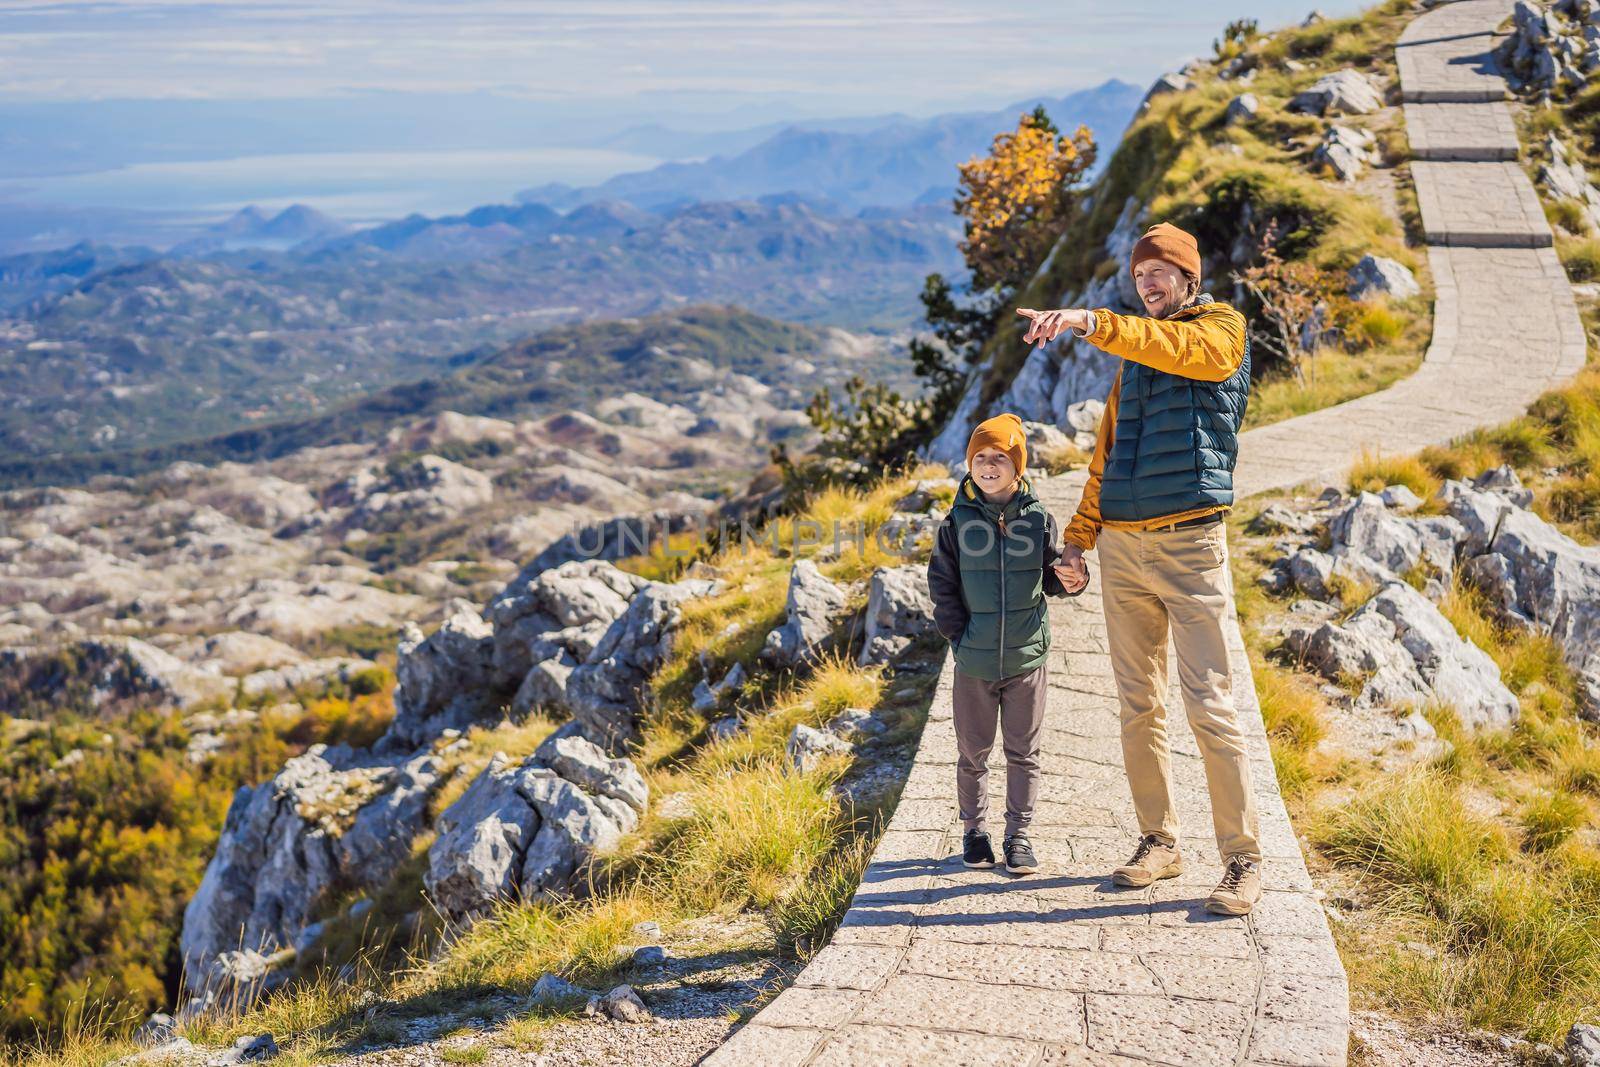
x=1208 y=348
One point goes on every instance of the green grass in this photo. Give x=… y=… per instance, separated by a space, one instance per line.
x=1519 y=932
x=1581 y=257
x=1373 y=471
x=1334 y=377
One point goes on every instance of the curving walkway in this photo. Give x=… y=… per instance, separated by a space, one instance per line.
x=934 y=963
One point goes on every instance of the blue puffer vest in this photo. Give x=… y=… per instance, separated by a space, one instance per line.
x=1176 y=441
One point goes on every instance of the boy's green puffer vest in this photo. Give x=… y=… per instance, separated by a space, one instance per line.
x=1008 y=628
x=1176 y=441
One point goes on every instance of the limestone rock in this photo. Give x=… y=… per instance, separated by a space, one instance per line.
x=567 y=607
x=1400 y=497
x=426 y=489
x=923 y=495
x=811 y=608
x=621 y=1004
x=899 y=609
x=1346 y=151
x=1083 y=418
x=709 y=697
x=1275 y=517
x=1167 y=83
x=852 y=722
x=1409 y=654
x=246 y=1049
x=551 y=990
x=603 y=691
x=807 y=747
x=332 y=817
x=1241 y=108
x=443 y=681
x=1535 y=577
x=585 y=764
x=524 y=831
x=1375 y=276
x=1378 y=545
x=237 y=652
x=156 y=1030
x=1503 y=481
x=114 y=668
x=292 y=675
x=1343 y=92
x=1583 y=1045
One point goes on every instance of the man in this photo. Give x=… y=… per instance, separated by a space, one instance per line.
x=1160 y=482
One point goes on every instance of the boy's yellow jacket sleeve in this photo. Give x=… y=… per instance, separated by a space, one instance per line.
x=1207 y=344
x=1084 y=529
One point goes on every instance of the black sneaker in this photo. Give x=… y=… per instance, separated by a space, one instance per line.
x=1019 y=854
x=976 y=850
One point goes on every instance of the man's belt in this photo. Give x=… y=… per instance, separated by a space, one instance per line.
x=1198 y=520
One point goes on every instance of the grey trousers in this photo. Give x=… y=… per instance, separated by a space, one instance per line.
x=1018 y=703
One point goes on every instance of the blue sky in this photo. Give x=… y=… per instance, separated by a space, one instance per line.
x=750 y=59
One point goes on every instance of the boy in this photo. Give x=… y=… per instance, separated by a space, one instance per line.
x=993 y=563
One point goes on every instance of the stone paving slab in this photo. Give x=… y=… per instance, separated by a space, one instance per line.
x=1443 y=55
x=1479 y=205
x=934 y=963
x=1462 y=132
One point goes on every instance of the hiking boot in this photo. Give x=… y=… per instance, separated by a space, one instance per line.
x=1019 y=854
x=1239 y=889
x=1151 y=860
x=976 y=850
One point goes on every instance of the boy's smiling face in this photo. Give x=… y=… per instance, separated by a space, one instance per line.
x=993 y=472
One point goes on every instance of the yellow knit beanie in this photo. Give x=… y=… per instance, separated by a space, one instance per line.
x=1003 y=431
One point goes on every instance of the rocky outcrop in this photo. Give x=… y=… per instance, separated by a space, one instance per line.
x=899 y=610
x=443 y=681
x=807 y=747
x=1241 y=108
x=1405 y=654
x=1550 y=48
x=1566 y=178
x=333 y=817
x=1344 y=92
x=811 y=609
x=425 y=489
x=1346 y=151
x=604 y=693
x=107 y=670
x=558 y=613
x=1534 y=576
x=524 y=831
x=1379 y=276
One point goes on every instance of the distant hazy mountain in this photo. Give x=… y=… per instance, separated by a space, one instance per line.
x=893 y=161
x=251 y=227
x=27 y=277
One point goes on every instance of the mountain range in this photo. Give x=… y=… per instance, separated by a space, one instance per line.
x=894 y=160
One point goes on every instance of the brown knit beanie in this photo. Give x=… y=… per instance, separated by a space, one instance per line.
x=1004 y=432
x=1166 y=241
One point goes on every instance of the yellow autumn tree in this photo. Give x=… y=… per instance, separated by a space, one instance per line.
x=1014 y=200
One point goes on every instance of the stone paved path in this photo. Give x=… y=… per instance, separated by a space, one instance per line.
x=935 y=964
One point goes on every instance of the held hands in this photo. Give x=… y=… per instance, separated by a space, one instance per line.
x=1046 y=326
x=1071 y=569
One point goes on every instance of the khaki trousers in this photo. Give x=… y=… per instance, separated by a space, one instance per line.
x=1177 y=580
x=1018 y=702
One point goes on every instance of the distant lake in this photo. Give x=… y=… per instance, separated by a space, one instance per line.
x=355 y=186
